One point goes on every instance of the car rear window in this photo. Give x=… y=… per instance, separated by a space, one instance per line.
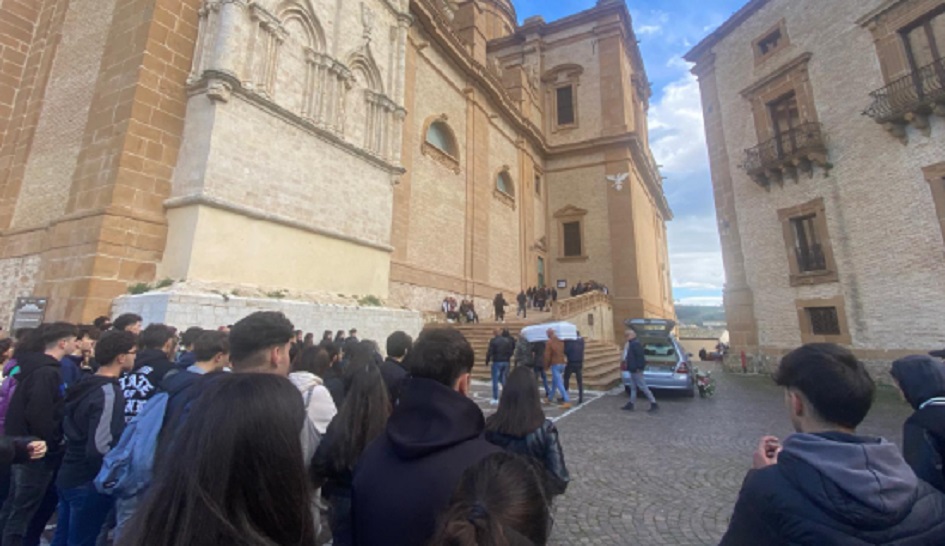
x=657 y=351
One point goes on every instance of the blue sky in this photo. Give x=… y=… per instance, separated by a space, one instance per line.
x=667 y=29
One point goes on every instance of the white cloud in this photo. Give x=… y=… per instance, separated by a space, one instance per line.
x=695 y=254
x=701 y=301
x=677 y=135
x=649 y=30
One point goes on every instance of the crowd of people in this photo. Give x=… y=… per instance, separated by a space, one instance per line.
x=590 y=286
x=255 y=434
x=463 y=311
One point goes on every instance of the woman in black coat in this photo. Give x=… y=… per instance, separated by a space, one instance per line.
x=519 y=426
x=922 y=382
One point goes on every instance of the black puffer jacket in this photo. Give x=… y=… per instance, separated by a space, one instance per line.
x=836 y=489
x=922 y=380
x=542 y=445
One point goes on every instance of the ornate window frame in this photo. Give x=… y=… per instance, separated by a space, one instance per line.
x=791 y=77
x=783 y=43
x=806 y=278
x=806 y=329
x=443 y=157
x=570 y=214
x=566 y=75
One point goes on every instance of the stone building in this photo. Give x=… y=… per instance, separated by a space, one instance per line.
x=402 y=149
x=826 y=130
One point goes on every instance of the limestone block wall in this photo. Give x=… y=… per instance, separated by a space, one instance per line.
x=880 y=215
x=18 y=277
x=58 y=140
x=572 y=182
x=210 y=311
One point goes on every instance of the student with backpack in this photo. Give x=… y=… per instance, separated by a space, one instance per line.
x=239 y=481
x=307 y=371
x=211 y=351
x=92 y=424
x=35 y=410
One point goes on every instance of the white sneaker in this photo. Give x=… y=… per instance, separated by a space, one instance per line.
x=493 y=402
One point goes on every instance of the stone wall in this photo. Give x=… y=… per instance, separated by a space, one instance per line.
x=17 y=279
x=881 y=220
x=183 y=310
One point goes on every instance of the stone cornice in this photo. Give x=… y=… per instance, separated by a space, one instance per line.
x=221 y=83
x=242 y=210
x=696 y=53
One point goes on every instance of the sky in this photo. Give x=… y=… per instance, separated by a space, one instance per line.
x=667 y=29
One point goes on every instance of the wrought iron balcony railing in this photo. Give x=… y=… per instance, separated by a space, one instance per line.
x=921 y=91
x=800 y=147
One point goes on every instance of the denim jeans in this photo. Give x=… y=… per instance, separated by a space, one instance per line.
x=82 y=513
x=28 y=485
x=557 y=382
x=500 y=370
x=544 y=379
x=637 y=381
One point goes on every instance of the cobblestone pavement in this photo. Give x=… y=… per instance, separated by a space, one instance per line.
x=673 y=477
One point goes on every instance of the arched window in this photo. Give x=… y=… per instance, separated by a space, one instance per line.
x=440 y=137
x=503 y=183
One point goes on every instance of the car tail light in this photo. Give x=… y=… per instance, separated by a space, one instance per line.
x=683 y=367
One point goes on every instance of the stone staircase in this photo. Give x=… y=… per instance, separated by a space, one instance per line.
x=601 y=360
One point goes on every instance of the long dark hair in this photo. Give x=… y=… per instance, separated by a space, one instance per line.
x=314 y=360
x=234 y=473
x=499 y=502
x=519 y=410
x=363 y=415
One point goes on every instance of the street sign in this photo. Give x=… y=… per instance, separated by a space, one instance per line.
x=28 y=313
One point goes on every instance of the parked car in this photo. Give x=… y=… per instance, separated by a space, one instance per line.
x=668 y=365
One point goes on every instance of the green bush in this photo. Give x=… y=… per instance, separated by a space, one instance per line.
x=139 y=288
x=370 y=301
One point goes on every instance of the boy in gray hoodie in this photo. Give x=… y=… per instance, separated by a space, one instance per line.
x=826 y=484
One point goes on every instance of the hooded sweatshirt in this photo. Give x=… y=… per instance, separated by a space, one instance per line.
x=93 y=422
x=922 y=380
x=318 y=402
x=405 y=478
x=837 y=489
x=151 y=367
x=37 y=403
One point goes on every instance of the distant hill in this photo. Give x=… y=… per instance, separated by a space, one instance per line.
x=697 y=314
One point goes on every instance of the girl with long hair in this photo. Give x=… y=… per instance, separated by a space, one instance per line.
x=500 y=501
x=234 y=474
x=519 y=426
x=361 y=419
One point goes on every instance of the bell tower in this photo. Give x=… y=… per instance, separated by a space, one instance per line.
x=480 y=21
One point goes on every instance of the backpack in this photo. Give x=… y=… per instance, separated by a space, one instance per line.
x=128 y=467
x=6 y=393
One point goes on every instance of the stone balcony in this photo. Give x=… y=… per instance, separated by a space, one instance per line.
x=910 y=100
x=788 y=154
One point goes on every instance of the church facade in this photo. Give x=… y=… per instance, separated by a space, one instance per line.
x=399 y=149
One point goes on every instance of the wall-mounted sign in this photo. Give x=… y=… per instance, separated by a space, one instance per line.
x=28 y=313
x=562 y=284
